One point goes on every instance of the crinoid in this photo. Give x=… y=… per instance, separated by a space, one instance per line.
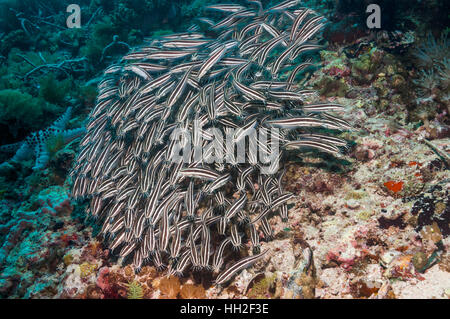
x=155 y=163
x=432 y=52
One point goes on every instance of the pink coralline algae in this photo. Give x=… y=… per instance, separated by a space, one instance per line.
x=351 y=249
x=336 y=71
x=62 y=208
x=346 y=255
x=103 y=280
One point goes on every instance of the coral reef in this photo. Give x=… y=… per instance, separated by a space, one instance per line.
x=374 y=224
x=33 y=240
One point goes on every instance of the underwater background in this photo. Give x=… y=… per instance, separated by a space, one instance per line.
x=372 y=223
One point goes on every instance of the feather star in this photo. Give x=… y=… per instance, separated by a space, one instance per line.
x=36 y=143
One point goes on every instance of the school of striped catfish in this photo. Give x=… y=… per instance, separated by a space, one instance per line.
x=238 y=72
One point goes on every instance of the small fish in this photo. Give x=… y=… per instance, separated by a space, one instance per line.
x=127 y=249
x=222 y=226
x=266 y=228
x=193 y=249
x=151 y=68
x=215 y=56
x=178 y=90
x=149 y=240
x=138 y=71
x=218 y=255
x=138 y=227
x=135 y=56
x=286 y=95
x=252 y=94
x=243 y=179
x=183 y=35
x=117 y=225
x=266 y=85
x=236 y=239
x=276 y=66
x=201 y=173
x=182 y=264
x=298 y=21
x=226 y=7
x=295 y=122
x=189 y=201
x=296 y=71
x=175 y=247
x=340 y=123
x=303 y=48
x=168 y=55
x=181 y=44
x=152 y=85
x=283 y=5
x=205 y=249
x=243 y=131
x=254 y=238
x=216 y=184
x=323 y=146
x=232 y=62
x=322 y=107
x=284 y=213
x=187 y=107
x=281 y=200
x=235 y=207
x=164 y=232
x=240 y=265
x=157 y=260
x=206 y=21
x=325 y=138
x=117 y=241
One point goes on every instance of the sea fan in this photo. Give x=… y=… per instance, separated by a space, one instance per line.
x=154 y=164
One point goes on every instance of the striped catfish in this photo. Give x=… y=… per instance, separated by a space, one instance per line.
x=243 y=73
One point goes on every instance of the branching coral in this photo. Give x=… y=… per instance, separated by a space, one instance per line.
x=114 y=43
x=66 y=66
